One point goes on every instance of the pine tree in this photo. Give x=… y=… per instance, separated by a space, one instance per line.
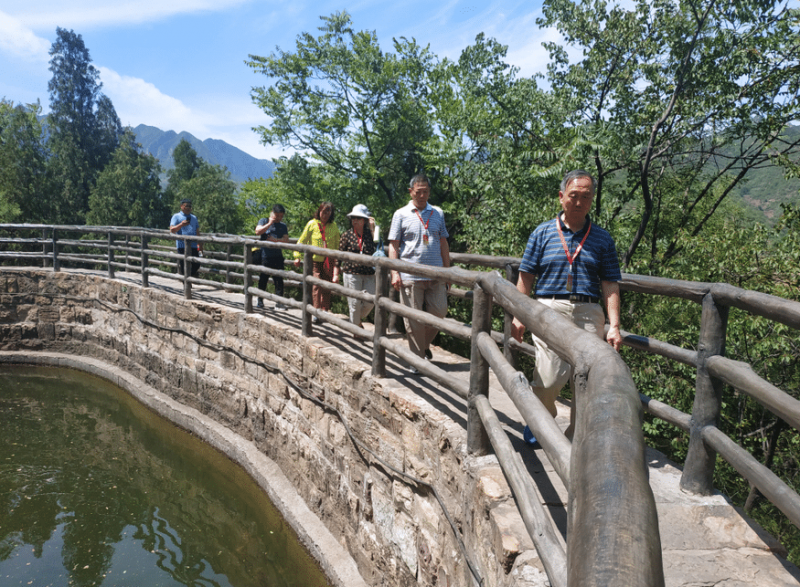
x=128 y=190
x=83 y=125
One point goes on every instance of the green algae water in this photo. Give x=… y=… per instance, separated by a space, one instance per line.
x=95 y=489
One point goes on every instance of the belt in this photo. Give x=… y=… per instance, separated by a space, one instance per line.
x=574 y=298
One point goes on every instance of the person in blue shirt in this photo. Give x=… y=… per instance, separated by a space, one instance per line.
x=574 y=263
x=184 y=222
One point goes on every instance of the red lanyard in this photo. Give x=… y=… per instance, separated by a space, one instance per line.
x=322 y=231
x=571 y=258
x=425 y=224
x=360 y=242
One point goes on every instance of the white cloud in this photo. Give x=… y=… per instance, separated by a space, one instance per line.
x=528 y=54
x=20 y=41
x=48 y=14
x=140 y=102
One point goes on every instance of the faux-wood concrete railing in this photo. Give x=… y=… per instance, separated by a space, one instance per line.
x=612 y=536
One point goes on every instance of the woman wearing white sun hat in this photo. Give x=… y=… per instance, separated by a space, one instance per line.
x=357 y=276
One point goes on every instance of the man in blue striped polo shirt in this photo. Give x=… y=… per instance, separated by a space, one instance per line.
x=418 y=235
x=575 y=263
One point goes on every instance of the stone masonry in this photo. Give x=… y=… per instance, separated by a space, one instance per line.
x=230 y=366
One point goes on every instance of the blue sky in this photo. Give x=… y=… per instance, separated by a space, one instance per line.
x=179 y=64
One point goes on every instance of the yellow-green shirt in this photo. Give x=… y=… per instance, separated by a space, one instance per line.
x=312 y=235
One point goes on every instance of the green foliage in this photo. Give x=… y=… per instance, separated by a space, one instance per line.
x=357 y=114
x=23 y=156
x=128 y=190
x=682 y=99
x=300 y=187
x=216 y=205
x=750 y=257
x=214 y=196
x=186 y=164
x=83 y=126
x=500 y=163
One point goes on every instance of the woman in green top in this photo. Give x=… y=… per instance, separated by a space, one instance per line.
x=321 y=231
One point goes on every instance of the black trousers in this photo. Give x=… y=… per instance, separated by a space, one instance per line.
x=195 y=267
x=263 y=278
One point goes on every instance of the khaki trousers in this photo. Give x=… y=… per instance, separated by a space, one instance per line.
x=552 y=373
x=429 y=296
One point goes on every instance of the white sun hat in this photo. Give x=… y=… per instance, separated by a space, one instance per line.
x=359 y=211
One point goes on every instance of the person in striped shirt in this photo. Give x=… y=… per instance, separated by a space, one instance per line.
x=418 y=235
x=574 y=263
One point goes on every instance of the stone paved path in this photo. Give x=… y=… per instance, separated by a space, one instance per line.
x=705 y=540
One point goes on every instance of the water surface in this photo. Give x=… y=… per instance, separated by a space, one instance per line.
x=95 y=489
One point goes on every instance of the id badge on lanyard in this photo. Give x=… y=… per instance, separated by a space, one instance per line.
x=571 y=257
x=425 y=239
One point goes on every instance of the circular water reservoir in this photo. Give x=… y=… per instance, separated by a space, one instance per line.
x=95 y=489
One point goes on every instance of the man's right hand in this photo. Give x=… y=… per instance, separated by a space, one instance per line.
x=517 y=329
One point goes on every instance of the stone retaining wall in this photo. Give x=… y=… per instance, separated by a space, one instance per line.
x=228 y=364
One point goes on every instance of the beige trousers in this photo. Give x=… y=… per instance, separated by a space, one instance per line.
x=429 y=296
x=552 y=373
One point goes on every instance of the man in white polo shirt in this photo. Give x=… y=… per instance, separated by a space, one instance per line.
x=418 y=235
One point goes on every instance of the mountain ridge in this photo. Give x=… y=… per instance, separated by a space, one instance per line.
x=242 y=166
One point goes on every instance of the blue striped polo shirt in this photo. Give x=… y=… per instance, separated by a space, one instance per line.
x=545 y=257
x=408 y=229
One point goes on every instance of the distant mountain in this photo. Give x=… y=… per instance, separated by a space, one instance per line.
x=242 y=166
x=765 y=189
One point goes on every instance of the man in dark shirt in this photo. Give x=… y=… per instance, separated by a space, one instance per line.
x=272 y=229
x=574 y=263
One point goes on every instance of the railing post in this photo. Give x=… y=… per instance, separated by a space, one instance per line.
x=45 y=260
x=394 y=295
x=248 y=278
x=111 y=255
x=477 y=439
x=56 y=264
x=510 y=355
x=145 y=263
x=228 y=259
x=381 y=322
x=127 y=246
x=698 y=471
x=187 y=269
x=308 y=261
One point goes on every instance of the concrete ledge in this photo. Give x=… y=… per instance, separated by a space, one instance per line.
x=336 y=562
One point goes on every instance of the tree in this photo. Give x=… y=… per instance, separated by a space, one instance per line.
x=83 y=126
x=299 y=187
x=346 y=105
x=108 y=132
x=499 y=149
x=213 y=193
x=185 y=164
x=24 y=187
x=128 y=190
x=676 y=102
